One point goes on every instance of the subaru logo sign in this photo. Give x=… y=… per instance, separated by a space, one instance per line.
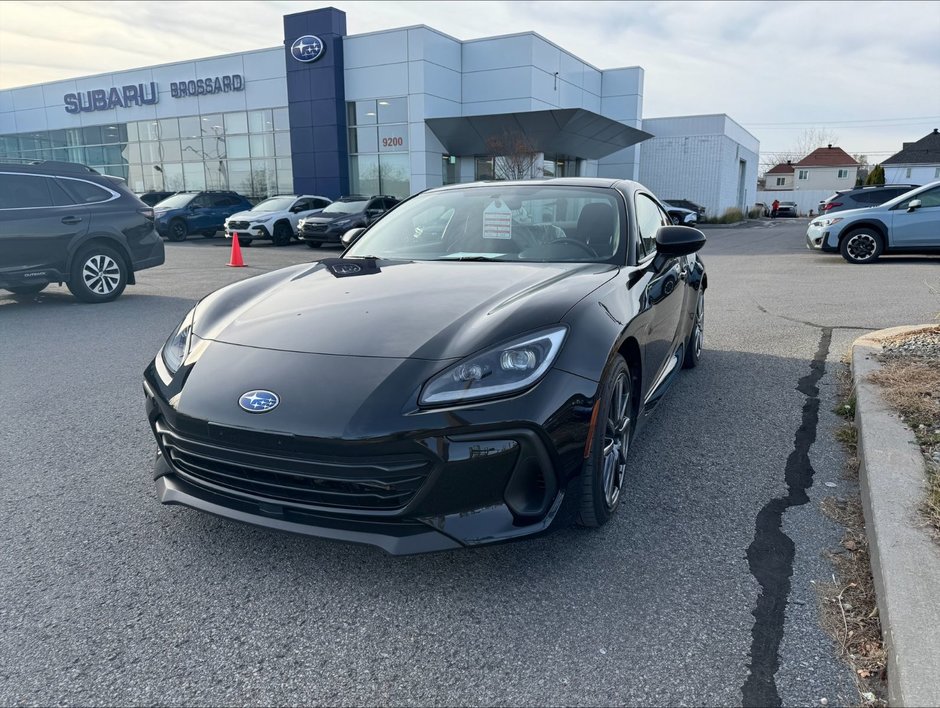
x=307 y=48
x=258 y=401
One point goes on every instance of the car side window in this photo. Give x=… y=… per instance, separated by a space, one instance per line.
x=85 y=192
x=389 y=203
x=220 y=200
x=320 y=204
x=928 y=199
x=60 y=197
x=24 y=192
x=649 y=217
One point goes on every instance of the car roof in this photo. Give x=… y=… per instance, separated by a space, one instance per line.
x=555 y=181
x=49 y=167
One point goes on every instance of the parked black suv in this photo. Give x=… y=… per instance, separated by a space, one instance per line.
x=197 y=212
x=342 y=215
x=862 y=197
x=62 y=222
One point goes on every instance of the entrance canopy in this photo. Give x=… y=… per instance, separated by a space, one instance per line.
x=573 y=132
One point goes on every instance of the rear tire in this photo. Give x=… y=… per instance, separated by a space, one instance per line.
x=283 y=233
x=861 y=246
x=313 y=244
x=99 y=274
x=604 y=472
x=27 y=289
x=207 y=234
x=178 y=231
x=244 y=242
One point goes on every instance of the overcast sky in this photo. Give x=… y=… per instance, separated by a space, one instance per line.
x=867 y=72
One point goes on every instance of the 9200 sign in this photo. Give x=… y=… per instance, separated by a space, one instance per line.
x=392 y=142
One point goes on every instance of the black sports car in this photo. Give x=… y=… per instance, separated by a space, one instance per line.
x=442 y=387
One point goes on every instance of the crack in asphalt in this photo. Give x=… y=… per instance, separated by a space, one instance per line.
x=815 y=325
x=770 y=555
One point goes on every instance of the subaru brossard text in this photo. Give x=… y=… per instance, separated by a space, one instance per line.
x=436 y=388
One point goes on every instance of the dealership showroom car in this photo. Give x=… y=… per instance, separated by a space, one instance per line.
x=435 y=389
x=204 y=213
x=274 y=219
x=342 y=215
x=63 y=222
x=909 y=223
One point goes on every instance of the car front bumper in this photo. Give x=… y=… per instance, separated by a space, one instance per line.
x=469 y=483
x=818 y=239
x=253 y=231
x=332 y=234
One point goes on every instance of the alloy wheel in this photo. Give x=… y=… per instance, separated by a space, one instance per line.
x=861 y=246
x=699 y=336
x=616 y=440
x=101 y=274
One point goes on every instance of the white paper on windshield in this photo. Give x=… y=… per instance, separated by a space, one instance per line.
x=497 y=221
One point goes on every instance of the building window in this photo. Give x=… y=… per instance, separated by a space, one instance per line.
x=907 y=173
x=936 y=173
x=843 y=174
x=803 y=174
x=781 y=181
x=379 y=162
x=449 y=169
x=189 y=152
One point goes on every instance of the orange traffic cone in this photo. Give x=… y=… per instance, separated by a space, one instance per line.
x=236 y=260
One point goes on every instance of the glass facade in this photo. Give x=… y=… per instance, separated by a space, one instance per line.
x=246 y=151
x=378 y=147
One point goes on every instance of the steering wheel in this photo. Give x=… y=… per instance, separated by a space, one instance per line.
x=571 y=242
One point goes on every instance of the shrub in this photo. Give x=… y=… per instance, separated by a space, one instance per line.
x=755 y=213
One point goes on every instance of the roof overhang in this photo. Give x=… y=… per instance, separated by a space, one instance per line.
x=573 y=132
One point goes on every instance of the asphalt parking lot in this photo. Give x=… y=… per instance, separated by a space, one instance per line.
x=704 y=576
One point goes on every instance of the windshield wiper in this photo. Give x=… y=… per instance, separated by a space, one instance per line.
x=470 y=258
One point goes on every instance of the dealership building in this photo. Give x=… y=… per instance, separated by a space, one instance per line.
x=388 y=112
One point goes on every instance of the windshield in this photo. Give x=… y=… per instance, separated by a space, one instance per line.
x=176 y=201
x=346 y=207
x=275 y=204
x=529 y=223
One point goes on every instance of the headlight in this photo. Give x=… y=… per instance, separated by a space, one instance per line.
x=502 y=370
x=177 y=346
x=827 y=222
x=343 y=222
x=261 y=219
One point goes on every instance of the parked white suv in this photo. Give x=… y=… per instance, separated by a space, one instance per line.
x=275 y=218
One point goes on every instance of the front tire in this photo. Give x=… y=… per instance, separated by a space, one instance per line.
x=693 y=347
x=99 y=274
x=604 y=471
x=244 y=242
x=178 y=230
x=861 y=246
x=282 y=234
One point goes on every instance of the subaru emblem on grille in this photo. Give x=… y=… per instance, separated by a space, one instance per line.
x=258 y=401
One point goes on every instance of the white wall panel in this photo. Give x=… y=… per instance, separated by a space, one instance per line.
x=376 y=82
x=497 y=84
x=424 y=43
x=27 y=98
x=265 y=93
x=267 y=64
x=375 y=49
x=501 y=52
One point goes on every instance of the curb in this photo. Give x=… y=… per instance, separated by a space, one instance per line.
x=905 y=560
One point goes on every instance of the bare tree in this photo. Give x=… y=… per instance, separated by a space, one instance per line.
x=805 y=143
x=514 y=156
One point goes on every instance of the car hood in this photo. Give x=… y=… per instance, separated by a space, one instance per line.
x=246 y=215
x=329 y=218
x=424 y=310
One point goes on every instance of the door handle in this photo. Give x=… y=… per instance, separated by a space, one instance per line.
x=70 y=220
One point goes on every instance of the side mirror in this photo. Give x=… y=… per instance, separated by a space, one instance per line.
x=913 y=204
x=351 y=236
x=678 y=240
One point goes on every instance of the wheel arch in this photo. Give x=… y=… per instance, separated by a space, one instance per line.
x=875 y=224
x=105 y=240
x=629 y=349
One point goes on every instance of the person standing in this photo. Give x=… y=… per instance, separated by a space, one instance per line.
x=773 y=208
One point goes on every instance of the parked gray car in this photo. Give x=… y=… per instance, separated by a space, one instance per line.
x=909 y=223
x=863 y=197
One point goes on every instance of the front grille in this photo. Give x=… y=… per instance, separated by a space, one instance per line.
x=315 y=228
x=234 y=225
x=387 y=482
